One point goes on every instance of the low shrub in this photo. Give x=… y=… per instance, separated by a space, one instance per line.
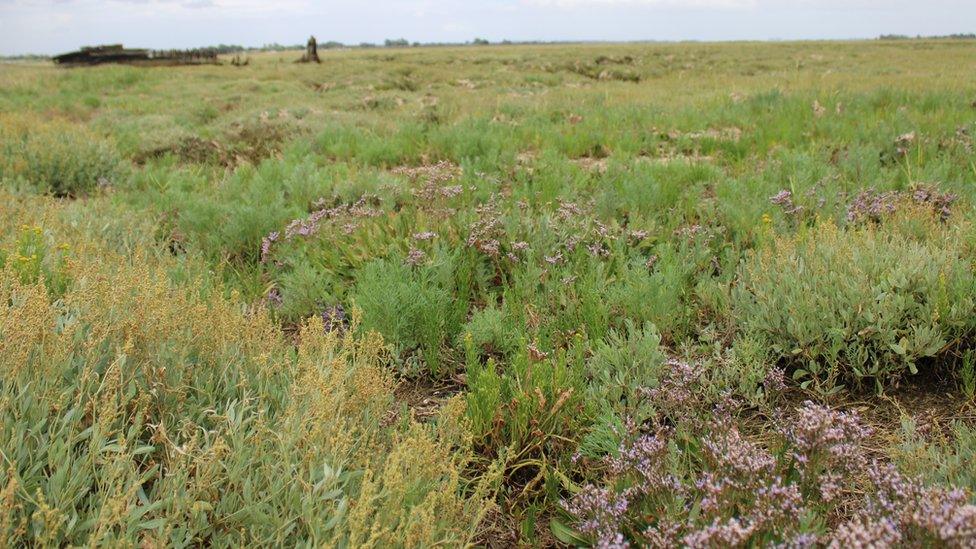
x=137 y=409
x=937 y=456
x=491 y=332
x=56 y=157
x=413 y=308
x=872 y=303
x=527 y=413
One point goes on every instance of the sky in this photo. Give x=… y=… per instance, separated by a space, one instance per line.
x=54 y=26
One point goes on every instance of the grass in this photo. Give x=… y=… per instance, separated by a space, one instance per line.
x=416 y=297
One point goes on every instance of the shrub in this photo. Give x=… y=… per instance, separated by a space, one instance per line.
x=937 y=457
x=139 y=410
x=528 y=412
x=869 y=303
x=413 y=308
x=491 y=332
x=33 y=260
x=56 y=157
x=622 y=364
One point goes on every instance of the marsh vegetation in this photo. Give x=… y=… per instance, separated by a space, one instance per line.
x=691 y=294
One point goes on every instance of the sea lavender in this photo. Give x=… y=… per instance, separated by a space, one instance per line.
x=600 y=512
x=869 y=205
x=273 y=297
x=720 y=533
x=423 y=236
x=334 y=319
x=486 y=232
x=865 y=533
x=784 y=199
x=266 y=243
x=940 y=202
x=415 y=257
x=825 y=441
x=922 y=512
x=645 y=457
x=675 y=392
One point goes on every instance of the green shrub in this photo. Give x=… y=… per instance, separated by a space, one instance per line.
x=56 y=158
x=531 y=411
x=623 y=363
x=947 y=459
x=491 y=331
x=139 y=410
x=414 y=309
x=34 y=260
x=869 y=303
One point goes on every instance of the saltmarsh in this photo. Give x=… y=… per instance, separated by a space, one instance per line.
x=492 y=295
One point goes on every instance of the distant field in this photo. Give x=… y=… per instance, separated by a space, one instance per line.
x=692 y=294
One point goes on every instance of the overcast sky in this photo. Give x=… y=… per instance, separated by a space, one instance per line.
x=52 y=26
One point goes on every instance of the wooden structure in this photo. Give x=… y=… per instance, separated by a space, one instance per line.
x=116 y=53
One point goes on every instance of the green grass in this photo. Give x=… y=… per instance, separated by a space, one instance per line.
x=542 y=230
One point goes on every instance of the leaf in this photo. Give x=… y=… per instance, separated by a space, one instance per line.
x=153 y=524
x=566 y=534
x=899 y=348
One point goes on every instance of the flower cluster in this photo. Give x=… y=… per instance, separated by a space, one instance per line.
x=916 y=513
x=744 y=493
x=266 y=243
x=334 y=319
x=415 y=257
x=426 y=235
x=305 y=227
x=600 y=512
x=824 y=445
x=940 y=202
x=869 y=205
x=434 y=178
x=486 y=231
x=784 y=199
x=676 y=392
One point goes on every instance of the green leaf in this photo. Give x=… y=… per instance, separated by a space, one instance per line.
x=566 y=534
x=153 y=524
x=899 y=348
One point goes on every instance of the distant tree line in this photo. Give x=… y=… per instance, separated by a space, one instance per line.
x=25 y=57
x=957 y=36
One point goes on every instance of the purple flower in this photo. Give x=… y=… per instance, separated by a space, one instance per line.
x=415 y=257
x=822 y=439
x=784 y=199
x=865 y=533
x=334 y=319
x=599 y=512
x=266 y=245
